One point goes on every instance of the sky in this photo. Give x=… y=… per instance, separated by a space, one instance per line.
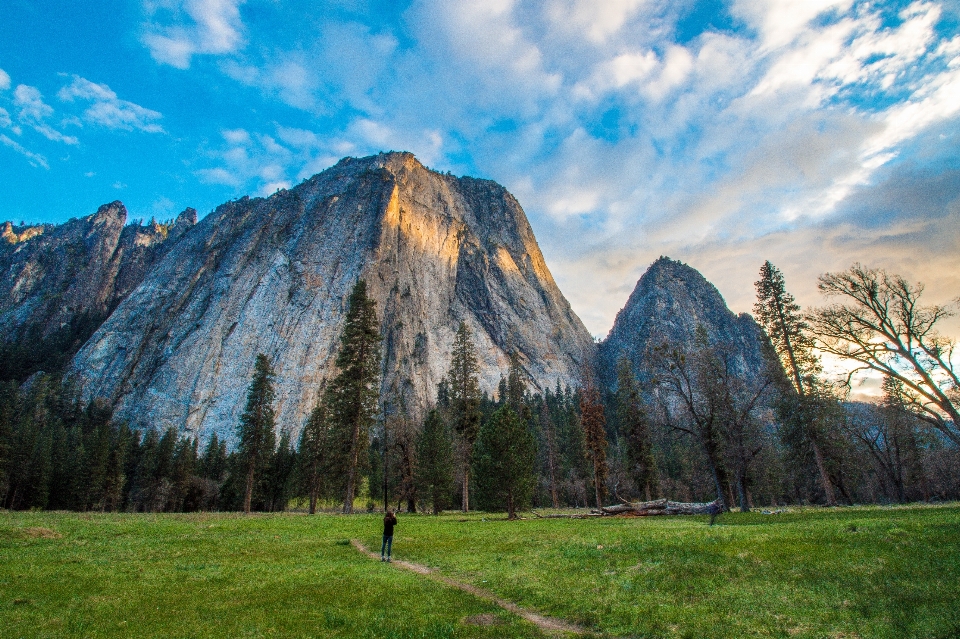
x=811 y=133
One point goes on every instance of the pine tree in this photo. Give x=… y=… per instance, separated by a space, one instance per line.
x=635 y=427
x=8 y=407
x=549 y=430
x=311 y=454
x=464 y=400
x=353 y=395
x=256 y=428
x=779 y=315
x=434 y=469
x=504 y=461
x=595 y=438
x=278 y=478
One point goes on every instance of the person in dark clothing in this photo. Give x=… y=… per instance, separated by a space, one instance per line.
x=389 y=521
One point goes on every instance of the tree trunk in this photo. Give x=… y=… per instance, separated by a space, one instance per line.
x=466 y=490
x=742 y=493
x=313 y=500
x=511 y=514
x=596 y=484
x=824 y=477
x=248 y=496
x=352 y=470
x=718 y=485
x=662 y=507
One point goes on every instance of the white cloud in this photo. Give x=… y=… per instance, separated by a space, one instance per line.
x=780 y=22
x=107 y=110
x=34 y=158
x=34 y=113
x=200 y=27
x=598 y=20
x=5 y=121
x=4 y=80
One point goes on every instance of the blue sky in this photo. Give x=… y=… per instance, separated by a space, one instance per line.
x=813 y=133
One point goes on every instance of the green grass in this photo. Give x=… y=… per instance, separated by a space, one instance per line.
x=854 y=572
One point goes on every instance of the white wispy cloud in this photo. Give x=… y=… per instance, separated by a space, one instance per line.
x=34 y=158
x=4 y=80
x=192 y=27
x=34 y=112
x=108 y=110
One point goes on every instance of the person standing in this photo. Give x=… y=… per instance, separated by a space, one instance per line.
x=389 y=521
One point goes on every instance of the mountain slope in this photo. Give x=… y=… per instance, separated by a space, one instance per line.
x=60 y=282
x=272 y=275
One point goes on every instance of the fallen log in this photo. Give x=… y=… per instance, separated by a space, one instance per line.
x=661 y=507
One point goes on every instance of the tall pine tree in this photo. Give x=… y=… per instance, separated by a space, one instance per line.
x=779 y=315
x=463 y=396
x=256 y=428
x=353 y=395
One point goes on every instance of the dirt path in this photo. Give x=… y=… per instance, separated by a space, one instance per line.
x=548 y=624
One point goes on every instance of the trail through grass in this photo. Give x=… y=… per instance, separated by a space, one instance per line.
x=855 y=572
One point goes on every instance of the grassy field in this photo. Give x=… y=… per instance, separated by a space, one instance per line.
x=853 y=572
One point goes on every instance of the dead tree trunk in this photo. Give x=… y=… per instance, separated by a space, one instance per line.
x=662 y=507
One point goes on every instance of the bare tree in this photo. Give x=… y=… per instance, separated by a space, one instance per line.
x=881 y=325
x=705 y=397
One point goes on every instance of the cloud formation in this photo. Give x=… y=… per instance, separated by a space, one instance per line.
x=34 y=112
x=191 y=27
x=721 y=133
x=107 y=110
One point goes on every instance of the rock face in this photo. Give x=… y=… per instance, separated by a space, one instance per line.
x=54 y=274
x=273 y=275
x=667 y=305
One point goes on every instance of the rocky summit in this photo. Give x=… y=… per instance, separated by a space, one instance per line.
x=273 y=275
x=670 y=300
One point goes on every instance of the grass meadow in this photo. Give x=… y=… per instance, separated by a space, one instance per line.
x=844 y=573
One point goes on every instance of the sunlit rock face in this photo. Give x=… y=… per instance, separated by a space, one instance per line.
x=670 y=300
x=273 y=276
x=54 y=274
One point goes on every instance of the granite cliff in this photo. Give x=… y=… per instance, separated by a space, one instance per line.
x=53 y=275
x=670 y=300
x=272 y=275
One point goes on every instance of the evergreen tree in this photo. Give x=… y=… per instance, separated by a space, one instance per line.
x=779 y=315
x=635 y=427
x=255 y=431
x=311 y=454
x=595 y=438
x=464 y=400
x=434 y=475
x=214 y=460
x=352 y=397
x=8 y=408
x=504 y=461
x=277 y=479
x=548 y=429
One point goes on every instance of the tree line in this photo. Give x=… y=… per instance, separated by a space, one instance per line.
x=694 y=425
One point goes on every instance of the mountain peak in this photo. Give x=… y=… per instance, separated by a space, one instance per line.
x=273 y=275
x=669 y=302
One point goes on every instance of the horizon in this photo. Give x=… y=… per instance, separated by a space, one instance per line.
x=723 y=134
